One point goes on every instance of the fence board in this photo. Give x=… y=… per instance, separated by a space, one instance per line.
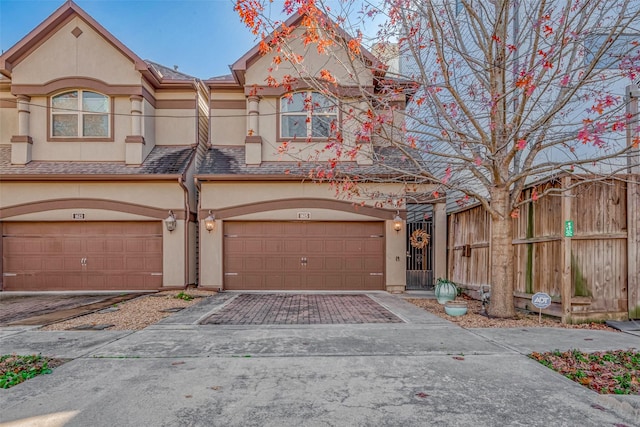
x=601 y=263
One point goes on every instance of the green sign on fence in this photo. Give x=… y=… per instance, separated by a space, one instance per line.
x=568 y=228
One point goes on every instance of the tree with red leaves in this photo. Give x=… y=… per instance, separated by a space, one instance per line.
x=501 y=93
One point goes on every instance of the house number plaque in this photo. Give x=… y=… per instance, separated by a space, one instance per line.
x=304 y=215
x=77 y=216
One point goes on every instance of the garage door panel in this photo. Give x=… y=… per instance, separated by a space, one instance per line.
x=134 y=245
x=112 y=245
x=273 y=281
x=336 y=263
x=53 y=263
x=335 y=246
x=339 y=255
x=52 y=246
x=293 y=246
x=82 y=255
x=273 y=246
x=96 y=245
x=272 y=263
x=72 y=245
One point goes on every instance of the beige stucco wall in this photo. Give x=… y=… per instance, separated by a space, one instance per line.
x=176 y=127
x=63 y=55
x=228 y=126
x=158 y=195
x=8 y=120
x=337 y=62
x=149 y=124
x=227 y=194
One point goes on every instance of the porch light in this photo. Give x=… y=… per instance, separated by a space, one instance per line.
x=170 y=222
x=210 y=222
x=397 y=222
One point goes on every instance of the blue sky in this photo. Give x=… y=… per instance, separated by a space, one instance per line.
x=202 y=37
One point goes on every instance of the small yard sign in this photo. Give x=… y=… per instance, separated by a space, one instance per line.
x=541 y=300
x=568 y=228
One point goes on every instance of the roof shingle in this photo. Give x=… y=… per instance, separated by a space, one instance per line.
x=230 y=160
x=163 y=160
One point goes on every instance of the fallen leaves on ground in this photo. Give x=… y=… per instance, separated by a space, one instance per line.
x=15 y=369
x=475 y=318
x=610 y=372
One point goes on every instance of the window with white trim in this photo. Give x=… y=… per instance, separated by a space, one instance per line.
x=80 y=114
x=307 y=114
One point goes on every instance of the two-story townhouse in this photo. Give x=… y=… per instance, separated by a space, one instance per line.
x=266 y=223
x=97 y=156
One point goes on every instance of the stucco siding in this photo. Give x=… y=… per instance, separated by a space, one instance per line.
x=160 y=195
x=258 y=72
x=65 y=55
x=175 y=127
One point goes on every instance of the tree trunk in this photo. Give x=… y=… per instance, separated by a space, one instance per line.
x=502 y=285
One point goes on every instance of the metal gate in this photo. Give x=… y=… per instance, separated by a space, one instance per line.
x=419 y=259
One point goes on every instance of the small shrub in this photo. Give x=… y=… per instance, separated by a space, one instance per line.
x=184 y=296
x=15 y=369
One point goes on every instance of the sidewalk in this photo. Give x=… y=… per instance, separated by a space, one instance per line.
x=425 y=371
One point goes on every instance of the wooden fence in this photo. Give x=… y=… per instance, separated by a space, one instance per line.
x=592 y=275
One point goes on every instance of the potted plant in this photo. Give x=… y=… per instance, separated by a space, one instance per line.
x=445 y=290
x=455 y=308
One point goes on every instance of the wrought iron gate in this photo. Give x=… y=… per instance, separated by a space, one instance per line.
x=419 y=260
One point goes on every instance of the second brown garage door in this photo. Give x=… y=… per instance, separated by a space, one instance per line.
x=304 y=255
x=53 y=256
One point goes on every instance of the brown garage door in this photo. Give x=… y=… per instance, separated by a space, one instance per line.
x=304 y=255
x=81 y=256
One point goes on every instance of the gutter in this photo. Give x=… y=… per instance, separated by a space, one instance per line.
x=187 y=215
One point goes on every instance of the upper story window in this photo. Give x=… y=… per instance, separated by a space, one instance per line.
x=307 y=115
x=80 y=114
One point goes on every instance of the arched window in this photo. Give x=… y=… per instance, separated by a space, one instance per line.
x=307 y=114
x=80 y=114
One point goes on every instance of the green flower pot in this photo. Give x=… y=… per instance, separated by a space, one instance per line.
x=455 y=308
x=445 y=291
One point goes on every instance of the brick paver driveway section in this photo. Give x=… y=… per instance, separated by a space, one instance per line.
x=300 y=309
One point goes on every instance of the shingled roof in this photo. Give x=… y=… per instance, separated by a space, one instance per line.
x=229 y=161
x=169 y=73
x=163 y=160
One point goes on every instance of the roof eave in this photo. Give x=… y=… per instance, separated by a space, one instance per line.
x=89 y=177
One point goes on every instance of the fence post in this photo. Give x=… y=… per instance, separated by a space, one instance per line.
x=440 y=240
x=633 y=244
x=565 y=252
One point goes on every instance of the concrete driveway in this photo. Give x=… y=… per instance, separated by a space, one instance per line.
x=421 y=371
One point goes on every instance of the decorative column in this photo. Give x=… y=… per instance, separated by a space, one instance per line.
x=21 y=144
x=253 y=140
x=135 y=141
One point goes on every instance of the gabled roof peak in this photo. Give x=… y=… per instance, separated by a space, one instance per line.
x=59 y=17
x=239 y=67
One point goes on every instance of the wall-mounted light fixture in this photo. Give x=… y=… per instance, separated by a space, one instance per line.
x=170 y=222
x=210 y=222
x=397 y=222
